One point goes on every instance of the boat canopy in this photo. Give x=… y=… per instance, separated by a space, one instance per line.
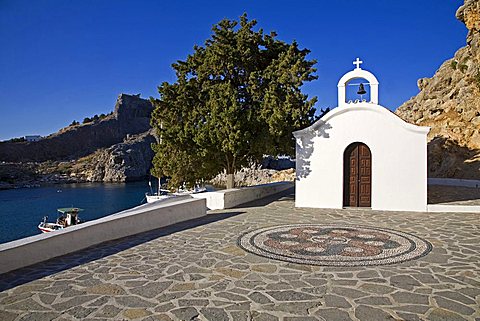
x=69 y=210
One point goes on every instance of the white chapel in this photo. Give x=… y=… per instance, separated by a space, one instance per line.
x=360 y=154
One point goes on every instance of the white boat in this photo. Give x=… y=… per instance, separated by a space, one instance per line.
x=163 y=194
x=197 y=189
x=46 y=227
x=68 y=218
x=156 y=197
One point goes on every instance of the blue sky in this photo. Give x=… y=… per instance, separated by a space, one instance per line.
x=66 y=60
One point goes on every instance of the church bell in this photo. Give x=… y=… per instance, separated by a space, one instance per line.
x=361 y=90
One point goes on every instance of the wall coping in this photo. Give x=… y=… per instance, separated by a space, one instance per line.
x=452 y=208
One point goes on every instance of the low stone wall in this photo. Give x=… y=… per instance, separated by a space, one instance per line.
x=229 y=198
x=454 y=182
x=38 y=248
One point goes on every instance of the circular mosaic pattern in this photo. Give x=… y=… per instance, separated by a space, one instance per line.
x=334 y=245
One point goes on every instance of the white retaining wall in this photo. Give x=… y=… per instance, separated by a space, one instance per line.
x=38 y=248
x=453 y=208
x=229 y=198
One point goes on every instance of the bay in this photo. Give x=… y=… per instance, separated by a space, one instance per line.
x=21 y=210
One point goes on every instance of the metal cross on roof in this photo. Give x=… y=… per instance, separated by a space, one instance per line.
x=358 y=62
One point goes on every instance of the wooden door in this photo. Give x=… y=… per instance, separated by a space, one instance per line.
x=357 y=176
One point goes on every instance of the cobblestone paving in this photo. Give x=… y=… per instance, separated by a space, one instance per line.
x=453 y=195
x=195 y=271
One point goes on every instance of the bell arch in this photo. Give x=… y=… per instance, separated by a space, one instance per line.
x=355 y=74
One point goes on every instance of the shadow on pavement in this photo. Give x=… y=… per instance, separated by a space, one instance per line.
x=27 y=274
x=438 y=194
x=286 y=195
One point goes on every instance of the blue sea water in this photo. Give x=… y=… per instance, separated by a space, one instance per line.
x=21 y=210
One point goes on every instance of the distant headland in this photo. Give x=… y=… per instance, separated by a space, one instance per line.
x=114 y=148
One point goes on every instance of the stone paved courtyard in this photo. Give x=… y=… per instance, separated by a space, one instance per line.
x=196 y=271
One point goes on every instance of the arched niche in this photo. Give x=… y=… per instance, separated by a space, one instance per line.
x=351 y=91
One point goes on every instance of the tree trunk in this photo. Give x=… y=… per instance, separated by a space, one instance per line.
x=230 y=181
x=230 y=171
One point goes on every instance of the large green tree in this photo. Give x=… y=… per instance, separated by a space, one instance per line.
x=235 y=99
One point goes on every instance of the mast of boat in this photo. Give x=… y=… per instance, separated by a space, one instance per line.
x=150 y=185
x=159 y=178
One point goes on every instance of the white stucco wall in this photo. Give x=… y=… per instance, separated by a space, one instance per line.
x=229 y=198
x=399 y=158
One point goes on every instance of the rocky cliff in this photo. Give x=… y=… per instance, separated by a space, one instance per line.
x=449 y=102
x=126 y=161
x=114 y=149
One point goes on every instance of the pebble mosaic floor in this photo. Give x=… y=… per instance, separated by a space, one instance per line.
x=196 y=271
x=334 y=245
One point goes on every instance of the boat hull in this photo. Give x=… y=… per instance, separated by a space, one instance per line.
x=163 y=197
x=49 y=227
x=157 y=198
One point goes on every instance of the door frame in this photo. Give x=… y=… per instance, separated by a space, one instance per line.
x=346 y=175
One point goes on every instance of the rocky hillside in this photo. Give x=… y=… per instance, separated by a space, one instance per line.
x=449 y=103
x=113 y=149
x=130 y=117
x=271 y=170
x=126 y=161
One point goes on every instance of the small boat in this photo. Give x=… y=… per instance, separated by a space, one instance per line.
x=68 y=218
x=197 y=189
x=164 y=194
x=160 y=196
x=46 y=227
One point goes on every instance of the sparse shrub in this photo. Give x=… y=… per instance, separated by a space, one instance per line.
x=64 y=167
x=87 y=120
x=17 y=140
x=453 y=64
x=462 y=67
